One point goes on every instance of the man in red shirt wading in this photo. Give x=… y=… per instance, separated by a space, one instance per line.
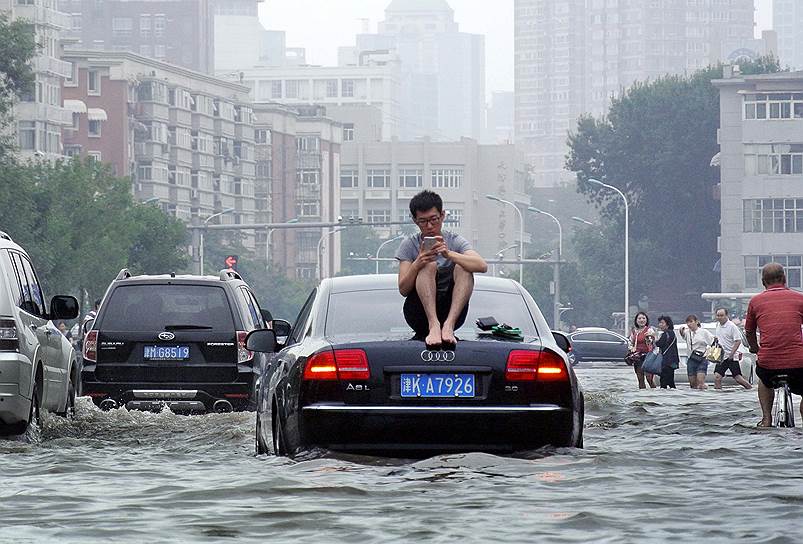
x=778 y=314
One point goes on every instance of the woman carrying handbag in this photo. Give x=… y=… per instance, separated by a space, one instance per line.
x=698 y=339
x=640 y=345
x=668 y=345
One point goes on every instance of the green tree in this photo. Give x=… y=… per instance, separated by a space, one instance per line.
x=17 y=49
x=656 y=144
x=80 y=225
x=359 y=242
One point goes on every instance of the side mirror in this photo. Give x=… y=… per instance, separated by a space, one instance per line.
x=63 y=307
x=562 y=341
x=282 y=329
x=261 y=340
x=88 y=325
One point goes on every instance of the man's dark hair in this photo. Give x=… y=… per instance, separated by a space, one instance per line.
x=727 y=313
x=424 y=201
x=773 y=274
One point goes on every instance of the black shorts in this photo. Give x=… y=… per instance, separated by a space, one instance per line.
x=794 y=377
x=728 y=364
x=414 y=311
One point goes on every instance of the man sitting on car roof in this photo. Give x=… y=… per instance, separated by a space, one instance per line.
x=436 y=273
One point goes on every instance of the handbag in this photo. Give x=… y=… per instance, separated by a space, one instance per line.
x=713 y=352
x=653 y=362
x=634 y=358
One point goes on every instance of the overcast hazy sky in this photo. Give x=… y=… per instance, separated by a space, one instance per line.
x=321 y=26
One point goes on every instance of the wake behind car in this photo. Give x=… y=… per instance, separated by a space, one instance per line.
x=38 y=365
x=174 y=340
x=351 y=378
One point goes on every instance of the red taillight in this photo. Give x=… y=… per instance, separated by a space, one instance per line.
x=352 y=364
x=91 y=346
x=343 y=364
x=243 y=355
x=321 y=366
x=527 y=366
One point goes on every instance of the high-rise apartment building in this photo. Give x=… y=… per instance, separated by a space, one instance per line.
x=442 y=69
x=787 y=21
x=180 y=32
x=186 y=139
x=572 y=56
x=40 y=115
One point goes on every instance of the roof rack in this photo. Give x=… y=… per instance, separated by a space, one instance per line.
x=123 y=274
x=228 y=274
x=5 y=236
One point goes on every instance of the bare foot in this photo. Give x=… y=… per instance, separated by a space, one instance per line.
x=447 y=334
x=434 y=338
x=764 y=423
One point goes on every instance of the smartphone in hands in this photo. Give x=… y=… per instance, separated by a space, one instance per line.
x=429 y=242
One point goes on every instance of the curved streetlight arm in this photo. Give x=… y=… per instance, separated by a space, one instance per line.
x=627 y=247
x=557 y=222
x=383 y=244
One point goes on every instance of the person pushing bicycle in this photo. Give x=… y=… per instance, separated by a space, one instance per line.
x=777 y=314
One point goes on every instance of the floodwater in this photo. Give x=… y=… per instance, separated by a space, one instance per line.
x=658 y=466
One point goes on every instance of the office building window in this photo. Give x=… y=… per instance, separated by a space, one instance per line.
x=773 y=106
x=773 y=159
x=94 y=155
x=27 y=135
x=262 y=136
x=411 y=178
x=773 y=215
x=379 y=216
x=309 y=177
x=159 y=51
x=308 y=143
x=791 y=263
x=291 y=88
x=454 y=218
x=94 y=129
x=93 y=82
x=122 y=26
x=348 y=88
x=77 y=22
x=159 y=25
x=348 y=132
x=331 y=88
x=447 y=178
x=308 y=208
x=378 y=178
x=145 y=25
x=349 y=179
x=275 y=89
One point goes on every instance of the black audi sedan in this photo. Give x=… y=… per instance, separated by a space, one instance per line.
x=595 y=344
x=351 y=377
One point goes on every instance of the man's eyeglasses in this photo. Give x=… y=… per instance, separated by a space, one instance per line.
x=424 y=221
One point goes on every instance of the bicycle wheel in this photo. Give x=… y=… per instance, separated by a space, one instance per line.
x=789 y=407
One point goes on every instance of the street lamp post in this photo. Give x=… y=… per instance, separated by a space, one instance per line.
x=583 y=221
x=499 y=255
x=320 y=249
x=201 y=244
x=521 y=231
x=270 y=237
x=383 y=244
x=627 y=247
x=556 y=275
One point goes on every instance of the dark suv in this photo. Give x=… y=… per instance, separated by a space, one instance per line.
x=174 y=340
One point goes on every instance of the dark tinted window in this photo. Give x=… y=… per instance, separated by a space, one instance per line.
x=158 y=307
x=14 y=281
x=299 y=326
x=30 y=299
x=380 y=312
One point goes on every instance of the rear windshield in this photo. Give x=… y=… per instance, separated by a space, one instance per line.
x=162 y=307
x=379 y=313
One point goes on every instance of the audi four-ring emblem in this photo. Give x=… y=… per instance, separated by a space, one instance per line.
x=166 y=336
x=437 y=356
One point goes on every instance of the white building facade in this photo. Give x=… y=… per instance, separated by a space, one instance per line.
x=787 y=21
x=761 y=142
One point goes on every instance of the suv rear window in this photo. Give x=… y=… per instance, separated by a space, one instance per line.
x=162 y=307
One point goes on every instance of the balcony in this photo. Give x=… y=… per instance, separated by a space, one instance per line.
x=42 y=15
x=180 y=117
x=150 y=150
x=34 y=111
x=309 y=159
x=224 y=127
x=53 y=66
x=180 y=155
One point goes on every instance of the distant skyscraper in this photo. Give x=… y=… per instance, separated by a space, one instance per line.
x=443 y=69
x=241 y=42
x=787 y=21
x=180 y=32
x=572 y=56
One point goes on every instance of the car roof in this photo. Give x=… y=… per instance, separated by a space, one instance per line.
x=178 y=279
x=369 y=282
x=593 y=329
x=6 y=242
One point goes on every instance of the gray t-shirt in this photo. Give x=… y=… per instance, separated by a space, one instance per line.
x=408 y=250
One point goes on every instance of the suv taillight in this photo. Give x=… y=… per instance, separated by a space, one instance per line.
x=243 y=355
x=91 y=346
x=343 y=364
x=528 y=366
x=9 y=341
